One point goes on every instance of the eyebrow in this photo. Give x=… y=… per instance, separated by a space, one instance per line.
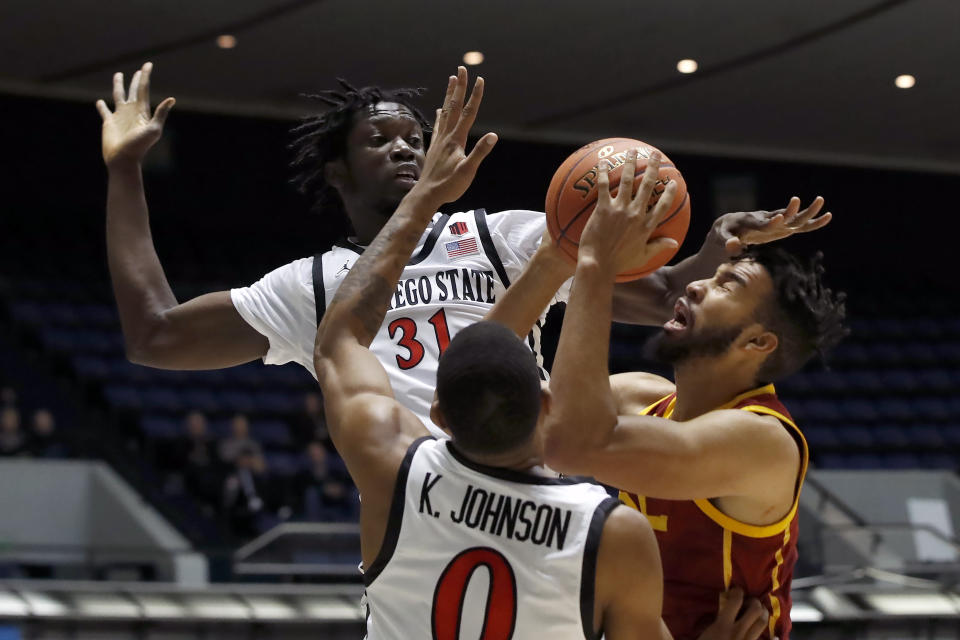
x=733 y=275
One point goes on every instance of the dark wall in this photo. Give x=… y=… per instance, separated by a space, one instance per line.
x=218 y=194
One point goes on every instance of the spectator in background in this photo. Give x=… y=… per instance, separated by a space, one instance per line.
x=247 y=493
x=324 y=486
x=12 y=440
x=238 y=440
x=311 y=425
x=195 y=457
x=43 y=441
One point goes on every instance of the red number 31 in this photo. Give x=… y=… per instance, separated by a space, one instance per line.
x=500 y=616
x=408 y=338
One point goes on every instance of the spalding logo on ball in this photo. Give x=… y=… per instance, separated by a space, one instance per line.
x=572 y=196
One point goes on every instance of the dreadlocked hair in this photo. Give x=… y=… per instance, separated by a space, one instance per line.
x=806 y=315
x=322 y=137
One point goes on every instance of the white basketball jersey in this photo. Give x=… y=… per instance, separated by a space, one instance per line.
x=481 y=552
x=451 y=282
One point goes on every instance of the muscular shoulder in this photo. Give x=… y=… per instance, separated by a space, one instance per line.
x=637 y=390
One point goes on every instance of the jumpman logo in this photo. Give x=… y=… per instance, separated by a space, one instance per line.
x=344 y=269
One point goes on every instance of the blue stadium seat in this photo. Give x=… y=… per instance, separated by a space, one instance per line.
x=891 y=436
x=831 y=461
x=91 y=367
x=932 y=409
x=122 y=396
x=900 y=381
x=939 y=460
x=821 y=438
x=901 y=460
x=925 y=436
x=889 y=354
x=896 y=410
x=851 y=354
x=863 y=461
x=858 y=410
x=937 y=381
x=161 y=427
x=270 y=432
x=951 y=434
x=282 y=463
x=235 y=401
x=856 y=436
x=200 y=400
x=161 y=399
x=273 y=402
x=863 y=381
x=821 y=411
x=920 y=353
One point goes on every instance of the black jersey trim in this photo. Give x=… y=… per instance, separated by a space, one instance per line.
x=588 y=577
x=431 y=240
x=507 y=474
x=319 y=290
x=395 y=519
x=488 y=247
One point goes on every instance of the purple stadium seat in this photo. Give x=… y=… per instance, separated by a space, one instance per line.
x=925 y=436
x=821 y=437
x=281 y=463
x=856 y=437
x=864 y=381
x=901 y=460
x=858 y=410
x=270 y=432
x=900 y=381
x=122 y=396
x=161 y=427
x=939 y=460
x=200 y=400
x=891 y=436
x=235 y=401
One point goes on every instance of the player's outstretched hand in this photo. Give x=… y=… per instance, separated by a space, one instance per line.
x=617 y=235
x=738 y=230
x=736 y=621
x=448 y=170
x=130 y=130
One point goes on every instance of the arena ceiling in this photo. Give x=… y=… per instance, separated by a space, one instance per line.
x=810 y=80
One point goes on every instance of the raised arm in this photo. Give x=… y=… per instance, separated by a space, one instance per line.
x=204 y=333
x=370 y=429
x=585 y=433
x=650 y=300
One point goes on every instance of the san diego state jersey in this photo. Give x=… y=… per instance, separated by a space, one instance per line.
x=480 y=552
x=705 y=552
x=461 y=264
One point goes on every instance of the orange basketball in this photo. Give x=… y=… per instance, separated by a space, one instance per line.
x=572 y=197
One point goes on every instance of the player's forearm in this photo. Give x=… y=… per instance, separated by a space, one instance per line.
x=650 y=300
x=584 y=411
x=522 y=303
x=139 y=283
x=360 y=304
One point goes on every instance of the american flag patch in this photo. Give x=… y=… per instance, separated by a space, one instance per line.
x=458 y=228
x=462 y=247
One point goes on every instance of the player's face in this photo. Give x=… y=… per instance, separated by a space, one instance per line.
x=385 y=153
x=714 y=313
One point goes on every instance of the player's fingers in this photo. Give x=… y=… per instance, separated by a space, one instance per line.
x=659 y=245
x=662 y=209
x=144 y=94
x=469 y=112
x=454 y=102
x=118 y=94
x=603 y=182
x=134 y=87
x=810 y=212
x=103 y=109
x=817 y=223
x=480 y=151
x=163 y=110
x=730 y=607
x=775 y=221
x=627 y=177
x=752 y=621
x=650 y=176
x=443 y=113
x=790 y=211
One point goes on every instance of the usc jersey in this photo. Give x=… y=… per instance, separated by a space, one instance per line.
x=462 y=262
x=472 y=551
x=705 y=551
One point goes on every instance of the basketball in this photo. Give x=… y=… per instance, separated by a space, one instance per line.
x=572 y=196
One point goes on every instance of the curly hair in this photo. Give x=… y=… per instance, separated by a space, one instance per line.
x=806 y=315
x=322 y=137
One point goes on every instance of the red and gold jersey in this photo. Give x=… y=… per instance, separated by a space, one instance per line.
x=705 y=552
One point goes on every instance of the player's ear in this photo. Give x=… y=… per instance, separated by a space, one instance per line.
x=437 y=416
x=762 y=342
x=335 y=173
x=546 y=399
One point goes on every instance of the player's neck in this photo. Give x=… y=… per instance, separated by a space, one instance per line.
x=523 y=460
x=704 y=385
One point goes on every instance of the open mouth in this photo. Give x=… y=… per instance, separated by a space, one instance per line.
x=682 y=317
x=408 y=173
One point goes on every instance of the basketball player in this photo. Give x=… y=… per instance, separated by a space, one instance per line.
x=559 y=558
x=713 y=460
x=358 y=159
